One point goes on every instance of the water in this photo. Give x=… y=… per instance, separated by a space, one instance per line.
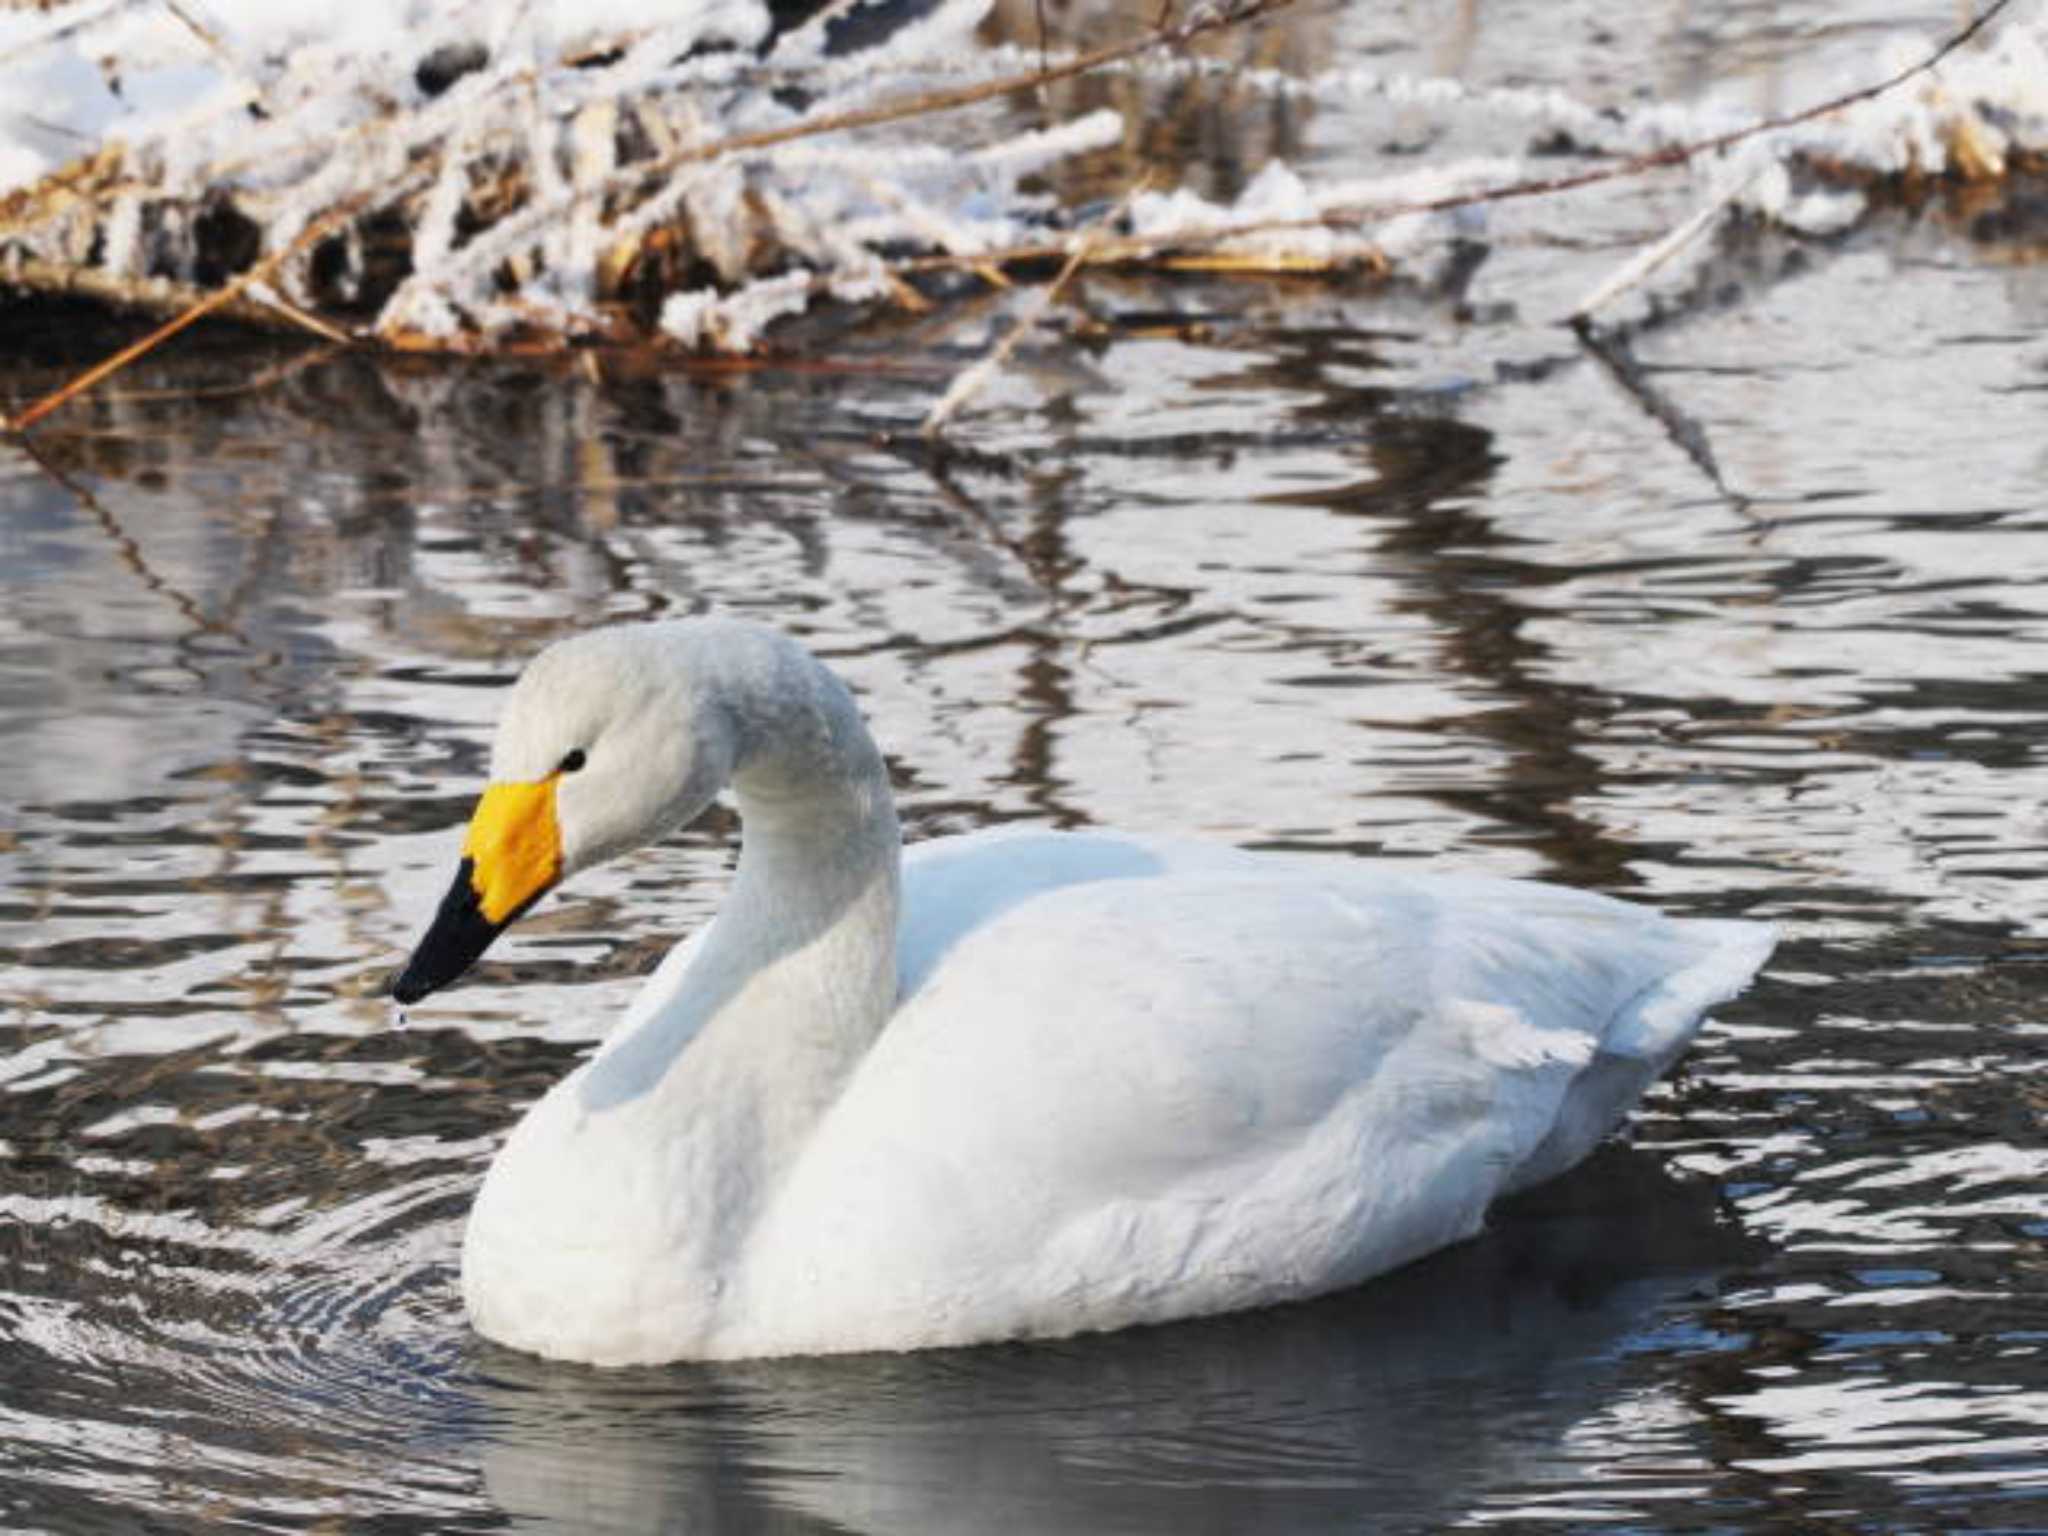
x=1283 y=565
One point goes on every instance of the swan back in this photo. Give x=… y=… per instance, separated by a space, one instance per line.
x=1194 y=1080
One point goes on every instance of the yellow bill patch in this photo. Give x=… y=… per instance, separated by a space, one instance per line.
x=514 y=845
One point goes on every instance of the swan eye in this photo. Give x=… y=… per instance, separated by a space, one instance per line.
x=572 y=762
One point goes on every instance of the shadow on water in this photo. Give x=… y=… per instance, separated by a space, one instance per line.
x=1413 y=1398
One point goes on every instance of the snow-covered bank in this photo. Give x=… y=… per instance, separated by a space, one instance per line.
x=500 y=167
x=473 y=174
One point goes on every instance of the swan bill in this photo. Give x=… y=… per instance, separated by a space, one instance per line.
x=511 y=857
x=458 y=934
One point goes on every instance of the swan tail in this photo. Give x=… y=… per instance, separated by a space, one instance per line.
x=1644 y=1038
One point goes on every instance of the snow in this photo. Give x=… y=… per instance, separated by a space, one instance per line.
x=537 y=149
x=734 y=322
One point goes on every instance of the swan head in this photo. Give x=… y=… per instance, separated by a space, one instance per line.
x=608 y=741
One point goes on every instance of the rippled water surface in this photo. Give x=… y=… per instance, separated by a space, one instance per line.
x=1352 y=569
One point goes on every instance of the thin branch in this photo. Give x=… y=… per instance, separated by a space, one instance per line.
x=114 y=364
x=1638 y=267
x=1186 y=251
x=1132 y=249
x=1679 y=154
x=926 y=104
x=264 y=294
x=1226 y=15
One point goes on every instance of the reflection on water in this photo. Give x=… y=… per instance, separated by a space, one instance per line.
x=1290 y=567
x=1389 y=1399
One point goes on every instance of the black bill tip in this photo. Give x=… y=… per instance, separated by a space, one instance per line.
x=458 y=934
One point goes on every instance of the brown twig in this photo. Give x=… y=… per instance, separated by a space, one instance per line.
x=1184 y=250
x=306 y=320
x=1228 y=15
x=114 y=364
x=165 y=298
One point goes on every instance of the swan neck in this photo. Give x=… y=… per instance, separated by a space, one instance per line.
x=797 y=974
x=819 y=841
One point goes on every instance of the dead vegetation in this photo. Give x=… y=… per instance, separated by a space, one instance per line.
x=656 y=194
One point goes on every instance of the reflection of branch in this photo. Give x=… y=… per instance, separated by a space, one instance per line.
x=937 y=458
x=254 y=384
x=131 y=552
x=1683 y=429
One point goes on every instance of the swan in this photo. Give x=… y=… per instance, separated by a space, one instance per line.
x=1011 y=1084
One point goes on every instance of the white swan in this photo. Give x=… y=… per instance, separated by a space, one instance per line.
x=1040 y=1083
